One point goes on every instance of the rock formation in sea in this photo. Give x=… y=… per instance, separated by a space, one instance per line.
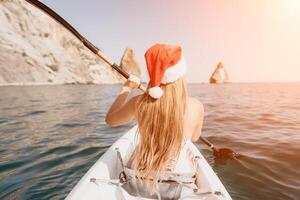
x=219 y=75
x=35 y=49
x=129 y=62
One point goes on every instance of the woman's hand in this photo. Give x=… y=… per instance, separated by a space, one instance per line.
x=131 y=84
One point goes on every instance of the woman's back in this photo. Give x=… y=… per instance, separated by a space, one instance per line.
x=193 y=119
x=192 y=125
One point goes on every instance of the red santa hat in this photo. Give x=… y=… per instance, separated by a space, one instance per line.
x=165 y=64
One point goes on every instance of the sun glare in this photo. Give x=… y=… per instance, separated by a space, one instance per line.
x=292 y=8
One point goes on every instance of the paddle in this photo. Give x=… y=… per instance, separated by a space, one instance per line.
x=219 y=153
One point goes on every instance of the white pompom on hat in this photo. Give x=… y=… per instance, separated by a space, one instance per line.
x=165 y=64
x=155 y=92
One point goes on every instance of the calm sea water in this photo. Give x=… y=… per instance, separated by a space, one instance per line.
x=51 y=135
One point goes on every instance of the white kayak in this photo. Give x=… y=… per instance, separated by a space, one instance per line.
x=101 y=181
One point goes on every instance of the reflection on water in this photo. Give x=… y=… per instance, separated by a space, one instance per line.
x=51 y=135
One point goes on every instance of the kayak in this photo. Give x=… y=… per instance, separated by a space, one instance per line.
x=102 y=179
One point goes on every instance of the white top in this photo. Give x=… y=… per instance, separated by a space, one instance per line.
x=184 y=163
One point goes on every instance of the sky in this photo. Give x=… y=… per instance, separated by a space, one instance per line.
x=256 y=40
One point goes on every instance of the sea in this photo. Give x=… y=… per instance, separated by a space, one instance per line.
x=51 y=135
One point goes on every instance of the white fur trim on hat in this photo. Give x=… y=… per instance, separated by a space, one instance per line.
x=155 y=92
x=174 y=72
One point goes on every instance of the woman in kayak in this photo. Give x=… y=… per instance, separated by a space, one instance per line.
x=166 y=116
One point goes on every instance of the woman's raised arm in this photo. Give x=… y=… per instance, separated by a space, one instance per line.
x=121 y=112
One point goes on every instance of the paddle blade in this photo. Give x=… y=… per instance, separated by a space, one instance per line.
x=226 y=153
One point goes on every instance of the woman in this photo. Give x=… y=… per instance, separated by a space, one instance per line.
x=166 y=116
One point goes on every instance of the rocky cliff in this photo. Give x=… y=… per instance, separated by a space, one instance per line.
x=219 y=75
x=34 y=49
x=130 y=63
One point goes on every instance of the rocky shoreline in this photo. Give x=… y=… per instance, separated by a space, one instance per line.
x=36 y=50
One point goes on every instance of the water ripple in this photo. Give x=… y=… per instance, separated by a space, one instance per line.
x=36 y=112
x=72 y=125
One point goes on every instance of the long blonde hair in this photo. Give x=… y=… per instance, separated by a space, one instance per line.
x=160 y=124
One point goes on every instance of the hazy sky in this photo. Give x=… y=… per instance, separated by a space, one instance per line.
x=256 y=40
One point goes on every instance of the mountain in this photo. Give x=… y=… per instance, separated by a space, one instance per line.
x=35 y=49
x=219 y=75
